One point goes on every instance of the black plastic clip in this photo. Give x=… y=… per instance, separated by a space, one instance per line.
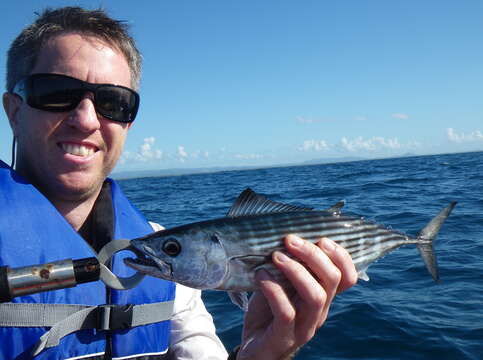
x=115 y=317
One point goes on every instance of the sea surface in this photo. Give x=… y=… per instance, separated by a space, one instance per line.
x=400 y=313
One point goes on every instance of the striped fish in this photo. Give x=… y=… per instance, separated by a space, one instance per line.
x=225 y=253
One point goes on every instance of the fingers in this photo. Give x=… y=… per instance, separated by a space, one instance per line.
x=268 y=332
x=342 y=260
x=277 y=298
x=311 y=300
x=327 y=269
x=306 y=285
x=332 y=266
x=319 y=264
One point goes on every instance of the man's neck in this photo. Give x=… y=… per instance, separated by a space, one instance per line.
x=75 y=212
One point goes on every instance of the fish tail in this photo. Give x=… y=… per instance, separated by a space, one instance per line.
x=428 y=234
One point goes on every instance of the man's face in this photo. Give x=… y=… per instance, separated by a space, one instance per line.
x=68 y=155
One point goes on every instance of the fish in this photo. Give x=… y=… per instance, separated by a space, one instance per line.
x=225 y=253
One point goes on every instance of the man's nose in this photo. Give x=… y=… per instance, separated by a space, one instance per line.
x=84 y=116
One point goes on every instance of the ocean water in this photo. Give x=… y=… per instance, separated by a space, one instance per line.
x=400 y=313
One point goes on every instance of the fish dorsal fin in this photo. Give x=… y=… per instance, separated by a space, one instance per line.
x=336 y=208
x=251 y=203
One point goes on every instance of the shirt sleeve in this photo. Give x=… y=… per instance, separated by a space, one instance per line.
x=193 y=333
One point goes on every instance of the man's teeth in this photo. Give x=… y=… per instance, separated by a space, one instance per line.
x=78 y=150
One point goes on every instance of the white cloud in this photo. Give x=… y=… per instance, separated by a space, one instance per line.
x=476 y=135
x=150 y=140
x=400 y=116
x=372 y=144
x=314 y=145
x=145 y=152
x=358 y=144
x=148 y=153
x=181 y=153
x=360 y=118
x=377 y=144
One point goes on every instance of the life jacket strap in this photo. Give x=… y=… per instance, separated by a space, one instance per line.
x=64 y=319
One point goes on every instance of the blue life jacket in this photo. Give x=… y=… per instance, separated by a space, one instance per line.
x=32 y=231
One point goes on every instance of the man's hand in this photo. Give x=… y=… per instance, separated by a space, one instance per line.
x=280 y=320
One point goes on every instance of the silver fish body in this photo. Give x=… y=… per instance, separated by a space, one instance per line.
x=225 y=253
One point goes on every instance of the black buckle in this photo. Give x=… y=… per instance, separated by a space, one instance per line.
x=115 y=317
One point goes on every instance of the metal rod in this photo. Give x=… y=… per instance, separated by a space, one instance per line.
x=46 y=277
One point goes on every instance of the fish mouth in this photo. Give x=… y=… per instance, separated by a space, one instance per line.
x=147 y=262
x=151 y=266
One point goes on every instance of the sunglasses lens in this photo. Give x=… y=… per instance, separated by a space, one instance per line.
x=54 y=93
x=116 y=103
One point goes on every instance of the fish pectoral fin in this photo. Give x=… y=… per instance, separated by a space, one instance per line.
x=363 y=275
x=240 y=299
x=251 y=261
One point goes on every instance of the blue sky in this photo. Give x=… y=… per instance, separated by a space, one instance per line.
x=271 y=82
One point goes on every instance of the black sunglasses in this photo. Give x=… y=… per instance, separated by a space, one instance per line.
x=60 y=93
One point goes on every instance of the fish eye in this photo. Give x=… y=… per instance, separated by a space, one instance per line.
x=172 y=247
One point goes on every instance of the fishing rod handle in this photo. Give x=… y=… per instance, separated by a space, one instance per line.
x=46 y=277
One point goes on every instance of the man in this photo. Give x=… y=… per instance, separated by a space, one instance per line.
x=70 y=132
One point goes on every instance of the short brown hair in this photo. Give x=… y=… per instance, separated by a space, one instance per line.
x=24 y=51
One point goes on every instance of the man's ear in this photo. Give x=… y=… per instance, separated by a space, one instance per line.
x=11 y=104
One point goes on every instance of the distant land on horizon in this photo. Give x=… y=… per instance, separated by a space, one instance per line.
x=133 y=174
